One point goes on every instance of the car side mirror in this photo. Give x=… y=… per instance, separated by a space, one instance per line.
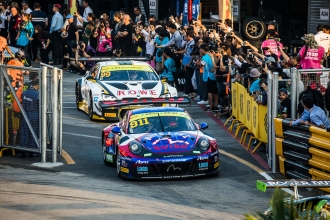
x=89 y=77
x=203 y=126
x=116 y=130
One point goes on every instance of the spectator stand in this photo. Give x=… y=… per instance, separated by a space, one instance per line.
x=34 y=127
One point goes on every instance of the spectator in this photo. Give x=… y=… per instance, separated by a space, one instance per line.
x=125 y=36
x=104 y=47
x=285 y=110
x=263 y=100
x=168 y=66
x=75 y=66
x=86 y=51
x=73 y=36
x=55 y=33
x=64 y=35
x=87 y=10
x=105 y=17
x=139 y=17
x=43 y=38
x=152 y=18
x=176 y=38
x=24 y=35
x=254 y=79
x=15 y=19
x=322 y=38
x=25 y=8
x=38 y=18
x=316 y=114
x=270 y=46
x=3 y=17
x=161 y=39
x=272 y=26
x=311 y=54
x=88 y=29
x=209 y=77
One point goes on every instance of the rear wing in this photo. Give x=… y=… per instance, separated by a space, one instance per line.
x=145 y=101
x=262 y=185
x=100 y=59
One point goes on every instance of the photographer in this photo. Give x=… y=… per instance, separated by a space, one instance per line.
x=72 y=31
x=43 y=38
x=271 y=44
x=140 y=42
x=104 y=47
x=168 y=66
x=161 y=39
x=75 y=66
x=86 y=51
x=176 y=38
x=124 y=36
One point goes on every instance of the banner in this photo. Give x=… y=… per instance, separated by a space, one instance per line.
x=72 y=6
x=255 y=119
x=263 y=123
x=189 y=10
x=241 y=101
x=177 y=7
x=185 y=13
x=234 y=100
x=195 y=9
x=225 y=9
x=248 y=122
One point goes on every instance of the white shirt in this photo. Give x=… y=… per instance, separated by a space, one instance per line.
x=28 y=11
x=3 y=17
x=150 y=47
x=86 y=12
x=323 y=40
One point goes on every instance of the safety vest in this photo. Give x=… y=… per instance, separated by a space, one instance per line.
x=19 y=92
x=16 y=73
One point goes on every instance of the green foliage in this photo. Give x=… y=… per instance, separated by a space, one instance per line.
x=282 y=208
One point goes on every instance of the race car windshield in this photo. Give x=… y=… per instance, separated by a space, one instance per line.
x=127 y=73
x=160 y=122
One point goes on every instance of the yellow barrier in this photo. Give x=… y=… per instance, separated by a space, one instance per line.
x=263 y=123
x=241 y=100
x=320 y=137
x=234 y=111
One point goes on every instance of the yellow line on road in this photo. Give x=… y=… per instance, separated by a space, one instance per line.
x=67 y=157
x=252 y=166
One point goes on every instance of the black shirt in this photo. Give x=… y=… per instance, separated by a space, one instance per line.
x=13 y=23
x=220 y=74
x=286 y=107
x=71 y=29
x=128 y=38
x=39 y=18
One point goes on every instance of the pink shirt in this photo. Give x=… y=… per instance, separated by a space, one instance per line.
x=313 y=58
x=103 y=41
x=271 y=44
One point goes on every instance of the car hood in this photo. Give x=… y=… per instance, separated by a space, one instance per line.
x=169 y=142
x=135 y=89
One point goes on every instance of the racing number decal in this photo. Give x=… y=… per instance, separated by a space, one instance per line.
x=140 y=122
x=105 y=74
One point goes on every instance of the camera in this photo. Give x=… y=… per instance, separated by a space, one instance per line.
x=107 y=46
x=174 y=47
x=277 y=39
x=263 y=65
x=195 y=51
x=250 y=54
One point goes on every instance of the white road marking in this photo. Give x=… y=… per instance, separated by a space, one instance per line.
x=81 y=135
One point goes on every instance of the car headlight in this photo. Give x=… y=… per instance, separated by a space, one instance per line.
x=203 y=144
x=135 y=148
x=107 y=97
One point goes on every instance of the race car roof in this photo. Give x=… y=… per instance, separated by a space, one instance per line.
x=156 y=109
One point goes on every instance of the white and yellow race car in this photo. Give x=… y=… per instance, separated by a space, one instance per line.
x=111 y=88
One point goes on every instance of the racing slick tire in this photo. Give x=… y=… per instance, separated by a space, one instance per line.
x=90 y=108
x=78 y=96
x=118 y=166
x=105 y=156
x=254 y=29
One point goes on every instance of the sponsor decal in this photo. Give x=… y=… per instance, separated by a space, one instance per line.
x=112 y=115
x=170 y=146
x=124 y=163
x=174 y=160
x=214 y=153
x=203 y=166
x=142 y=170
x=124 y=170
x=216 y=164
x=216 y=158
x=299 y=183
x=147 y=155
x=173 y=156
x=95 y=99
x=136 y=92
x=155 y=114
x=172 y=167
x=109 y=158
x=202 y=158
x=139 y=122
x=125 y=67
x=196 y=152
x=126 y=158
x=142 y=162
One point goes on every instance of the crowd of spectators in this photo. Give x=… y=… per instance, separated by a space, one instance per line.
x=209 y=58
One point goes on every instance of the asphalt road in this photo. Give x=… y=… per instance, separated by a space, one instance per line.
x=89 y=189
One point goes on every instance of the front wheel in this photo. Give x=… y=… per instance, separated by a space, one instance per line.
x=90 y=108
x=78 y=97
x=118 y=165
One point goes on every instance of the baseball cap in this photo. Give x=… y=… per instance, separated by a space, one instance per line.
x=69 y=16
x=57 y=6
x=254 y=72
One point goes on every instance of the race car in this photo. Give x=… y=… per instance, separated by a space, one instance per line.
x=160 y=142
x=122 y=83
